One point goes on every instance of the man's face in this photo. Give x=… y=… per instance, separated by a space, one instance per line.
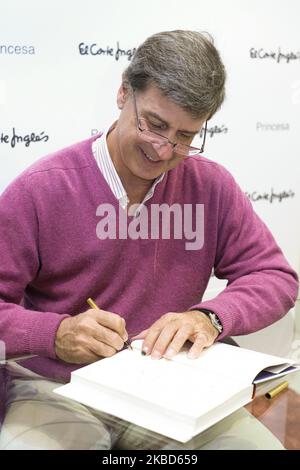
x=137 y=160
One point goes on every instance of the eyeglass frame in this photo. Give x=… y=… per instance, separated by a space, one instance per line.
x=168 y=141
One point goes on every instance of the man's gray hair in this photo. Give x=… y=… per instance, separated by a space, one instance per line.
x=185 y=66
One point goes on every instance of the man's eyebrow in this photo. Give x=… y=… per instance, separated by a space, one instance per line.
x=156 y=116
x=159 y=118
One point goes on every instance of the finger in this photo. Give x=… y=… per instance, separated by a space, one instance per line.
x=178 y=341
x=108 y=337
x=100 y=349
x=81 y=356
x=91 y=328
x=159 y=343
x=202 y=341
x=154 y=331
x=111 y=320
x=149 y=340
x=164 y=345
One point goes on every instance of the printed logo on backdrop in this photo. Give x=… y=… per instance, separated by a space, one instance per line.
x=211 y=131
x=272 y=126
x=279 y=56
x=14 y=138
x=16 y=49
x=115 y=52
x=214 y=130
x=271 y=195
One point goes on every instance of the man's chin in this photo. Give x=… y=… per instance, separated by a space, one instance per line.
x=148 y=170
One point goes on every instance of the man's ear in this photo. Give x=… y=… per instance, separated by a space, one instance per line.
x=122 y=96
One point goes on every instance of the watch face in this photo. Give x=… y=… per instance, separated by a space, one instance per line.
x=215 y=321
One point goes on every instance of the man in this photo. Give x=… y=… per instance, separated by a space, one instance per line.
x=58 y=248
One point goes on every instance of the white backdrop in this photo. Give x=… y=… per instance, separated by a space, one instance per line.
x=53 y=92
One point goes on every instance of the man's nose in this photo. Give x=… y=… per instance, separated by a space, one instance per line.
x=164 y=151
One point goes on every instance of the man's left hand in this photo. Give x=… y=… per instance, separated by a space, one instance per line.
x=167 y=335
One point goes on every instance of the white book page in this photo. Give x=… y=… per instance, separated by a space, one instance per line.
x=192 y=393
x=171 y=385
x=240 y=364
x=192 y=386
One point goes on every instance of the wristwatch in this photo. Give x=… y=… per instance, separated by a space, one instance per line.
x=215 y=321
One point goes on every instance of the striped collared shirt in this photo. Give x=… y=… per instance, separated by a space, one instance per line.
x=107 y=168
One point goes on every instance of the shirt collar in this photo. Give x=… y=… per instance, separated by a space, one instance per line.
x=107 y=168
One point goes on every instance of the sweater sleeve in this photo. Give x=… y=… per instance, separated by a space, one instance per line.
x=23 y=331
x=261 y=286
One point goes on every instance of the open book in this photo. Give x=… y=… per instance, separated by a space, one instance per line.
x=178 y=398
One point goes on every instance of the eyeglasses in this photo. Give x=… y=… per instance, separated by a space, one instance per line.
x=154 y=138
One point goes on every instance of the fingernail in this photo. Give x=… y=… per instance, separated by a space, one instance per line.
x=155 y=355
x=145 y=351
x=192 y=355
x=170 y=352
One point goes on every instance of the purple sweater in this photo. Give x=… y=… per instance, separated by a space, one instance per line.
x=52 y=259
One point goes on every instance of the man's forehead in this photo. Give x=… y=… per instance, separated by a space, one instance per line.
x=152 y=103
x=190 y=130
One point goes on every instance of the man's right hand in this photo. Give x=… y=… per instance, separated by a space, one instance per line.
x=89 y=336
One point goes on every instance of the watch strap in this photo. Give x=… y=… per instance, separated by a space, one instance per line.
x=213 y=318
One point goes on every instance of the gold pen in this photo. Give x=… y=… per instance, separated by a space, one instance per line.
x=274 y=391
x=95 y=306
